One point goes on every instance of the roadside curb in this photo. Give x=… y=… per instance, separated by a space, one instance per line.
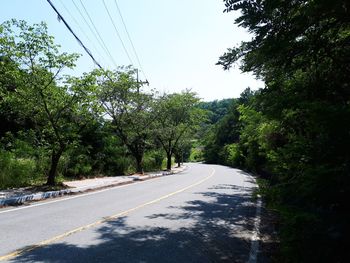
x=21 y=199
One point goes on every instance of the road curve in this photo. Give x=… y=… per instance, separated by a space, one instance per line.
x=205 y=214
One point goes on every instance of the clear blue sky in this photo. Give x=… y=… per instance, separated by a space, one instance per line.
x=178 y=42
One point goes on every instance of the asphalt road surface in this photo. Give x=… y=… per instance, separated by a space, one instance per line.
x=204 y=214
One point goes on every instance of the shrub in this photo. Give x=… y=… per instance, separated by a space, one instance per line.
x=75 y=162
x=16 y=172
x=196 y=155
x=153 y=161
x=232 y=155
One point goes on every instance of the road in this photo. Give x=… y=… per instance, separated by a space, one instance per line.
x=204 y=214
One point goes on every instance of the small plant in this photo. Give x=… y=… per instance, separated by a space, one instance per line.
x=15 y=172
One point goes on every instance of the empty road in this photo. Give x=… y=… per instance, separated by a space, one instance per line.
x=204 y=214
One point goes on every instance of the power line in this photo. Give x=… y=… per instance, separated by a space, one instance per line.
x=81 y=29
x=109 y=54
x=116 y=30
x=131 y=42
x=76 y=37
x=90 y=28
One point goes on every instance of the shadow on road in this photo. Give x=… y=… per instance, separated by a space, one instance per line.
x=221 y=221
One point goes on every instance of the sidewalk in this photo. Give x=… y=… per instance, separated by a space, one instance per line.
x=24 y=195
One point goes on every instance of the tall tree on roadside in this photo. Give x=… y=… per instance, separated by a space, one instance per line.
x=301 y=50
x=182 y=151
x=129 y=108
x=56 y=106
x=176 y=116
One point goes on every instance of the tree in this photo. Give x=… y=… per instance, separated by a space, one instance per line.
x=217 y=109
x=129 y=108
x=58 y=107
x=301 y=50
x=182 y=150
x=9 y=116
x=227 y=131
x=176 y=115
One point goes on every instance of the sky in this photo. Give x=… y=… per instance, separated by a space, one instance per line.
x=177 y=42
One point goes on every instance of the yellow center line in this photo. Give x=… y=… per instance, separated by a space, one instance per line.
x=99 y=222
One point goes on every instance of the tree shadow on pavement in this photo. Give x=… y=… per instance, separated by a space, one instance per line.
x=220 y=231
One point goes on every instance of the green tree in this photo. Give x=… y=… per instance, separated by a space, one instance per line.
x=301 y=50
x=129 y=108
x=182 y=151
x=217 y=109
x=58 y=107
x=225 y=131
x=176 y=116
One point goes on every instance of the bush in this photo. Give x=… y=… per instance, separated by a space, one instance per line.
x=232 y=155
x=75 y=162
x=196 y=155
x=78 y=165
x=115 y=163
x=16 y=172
x=21 y=163
x=153 y=161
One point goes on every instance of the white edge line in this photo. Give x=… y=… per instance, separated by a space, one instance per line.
x=59 y=237
x=64 y=199
x=77 y=196
x=254 y=248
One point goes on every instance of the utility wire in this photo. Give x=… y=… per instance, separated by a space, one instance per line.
x=109 y=54
x=76 y=37
x=117 y=32
x=90 y=28
x=131 y=42
x=81 y=29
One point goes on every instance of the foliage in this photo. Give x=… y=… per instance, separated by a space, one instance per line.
x=21 y=164
x=58 y=112
x=177 y=118
x=182 y=150
x=217 y=109
x=296 y=130
x=226 y=131
x=101 y=123
x=14 y=171
x=129 y=108
x=231 y=155
x=56 y=124
x=196 y=155
x=153 y=160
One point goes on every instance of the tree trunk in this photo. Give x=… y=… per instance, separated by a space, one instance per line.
x=178 y=159
x=55 y=158
x=139 y=164
x=168 y=163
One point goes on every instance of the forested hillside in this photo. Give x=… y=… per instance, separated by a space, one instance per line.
x=216 y=109
x=295 y=132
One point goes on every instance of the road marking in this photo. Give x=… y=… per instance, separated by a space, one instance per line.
x=254 y=248
x=99 y=222
x=73 y=197
x=68 y=198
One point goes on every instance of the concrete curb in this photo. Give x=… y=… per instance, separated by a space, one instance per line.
x=21 y=199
